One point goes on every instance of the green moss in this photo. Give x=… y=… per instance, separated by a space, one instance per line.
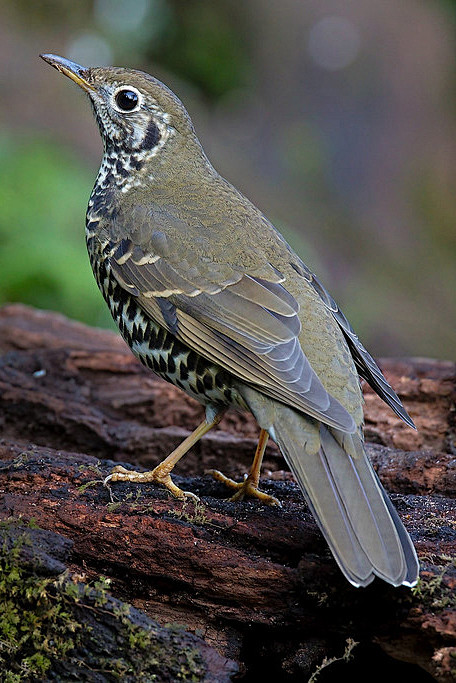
x=35 y=626
x=51 y=625
x=193 y=511
x=185 y=662
x=433 y=591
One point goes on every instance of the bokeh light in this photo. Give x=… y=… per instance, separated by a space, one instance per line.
x=334 y=42
x=90 y=49
x=121 y=16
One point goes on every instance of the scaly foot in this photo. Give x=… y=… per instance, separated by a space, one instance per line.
x=245 y=489
x=157 y=476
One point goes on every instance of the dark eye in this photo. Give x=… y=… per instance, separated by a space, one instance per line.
x=127 y=100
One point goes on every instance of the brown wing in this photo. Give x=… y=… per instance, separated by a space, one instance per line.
x=365 y=364
x=246 y=323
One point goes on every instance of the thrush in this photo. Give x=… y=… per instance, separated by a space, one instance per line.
x=209 y=295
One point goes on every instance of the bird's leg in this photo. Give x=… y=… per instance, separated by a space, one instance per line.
x=162 y=473
x=249 y=487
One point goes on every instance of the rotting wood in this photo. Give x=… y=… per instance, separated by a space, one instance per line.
x=255 y=582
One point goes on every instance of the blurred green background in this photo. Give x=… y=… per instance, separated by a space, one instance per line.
x=338 y=119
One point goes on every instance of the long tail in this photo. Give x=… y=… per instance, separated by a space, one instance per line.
x=358 y=520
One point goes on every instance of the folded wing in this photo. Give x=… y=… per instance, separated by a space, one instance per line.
x=247 y=324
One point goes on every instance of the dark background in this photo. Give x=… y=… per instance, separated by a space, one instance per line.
x=336 y=118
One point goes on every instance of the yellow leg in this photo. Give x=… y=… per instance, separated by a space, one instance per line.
x=162 y=473
x=249 y=487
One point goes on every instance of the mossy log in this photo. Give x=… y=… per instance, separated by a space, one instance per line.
x=56 y=626
x=257 y=584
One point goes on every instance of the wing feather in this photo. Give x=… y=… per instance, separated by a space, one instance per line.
x=249 y=326
x=366 y=366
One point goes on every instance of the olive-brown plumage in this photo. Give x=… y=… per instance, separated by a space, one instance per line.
x=210 y=296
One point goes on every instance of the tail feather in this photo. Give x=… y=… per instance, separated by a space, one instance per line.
x=357 y=488
x=330 y=514
x=359 y=522
x=411 y=559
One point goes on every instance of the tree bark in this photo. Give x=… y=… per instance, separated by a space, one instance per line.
x=258 y=584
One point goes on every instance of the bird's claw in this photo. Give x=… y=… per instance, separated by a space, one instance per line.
x=120 y=473
x=244 y=489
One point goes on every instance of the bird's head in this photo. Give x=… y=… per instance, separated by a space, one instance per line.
x=134 y=111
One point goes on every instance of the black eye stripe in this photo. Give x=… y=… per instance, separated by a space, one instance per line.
x=126 y=99
x=151 y=137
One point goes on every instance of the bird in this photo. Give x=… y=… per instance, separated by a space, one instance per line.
x=209 y=295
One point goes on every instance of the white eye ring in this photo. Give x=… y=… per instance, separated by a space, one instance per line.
x=130 y=104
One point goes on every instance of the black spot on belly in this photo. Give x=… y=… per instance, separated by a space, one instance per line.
x=132 y=310
x=183 y=372
x=138 y=337
x=160 y=338
x=200 y=365
x=168 y=342
x=207 y=381
x=147 y=331
x=171 y=364
x=219 y=383
x=191 y=361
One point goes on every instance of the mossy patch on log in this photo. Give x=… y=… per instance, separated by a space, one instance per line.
x=53 y=621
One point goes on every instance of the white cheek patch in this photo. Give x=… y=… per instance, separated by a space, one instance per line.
x=147 y=135
x=131 y=141
x=136 y=129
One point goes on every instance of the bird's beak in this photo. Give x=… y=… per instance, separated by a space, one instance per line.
x=77 y=73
